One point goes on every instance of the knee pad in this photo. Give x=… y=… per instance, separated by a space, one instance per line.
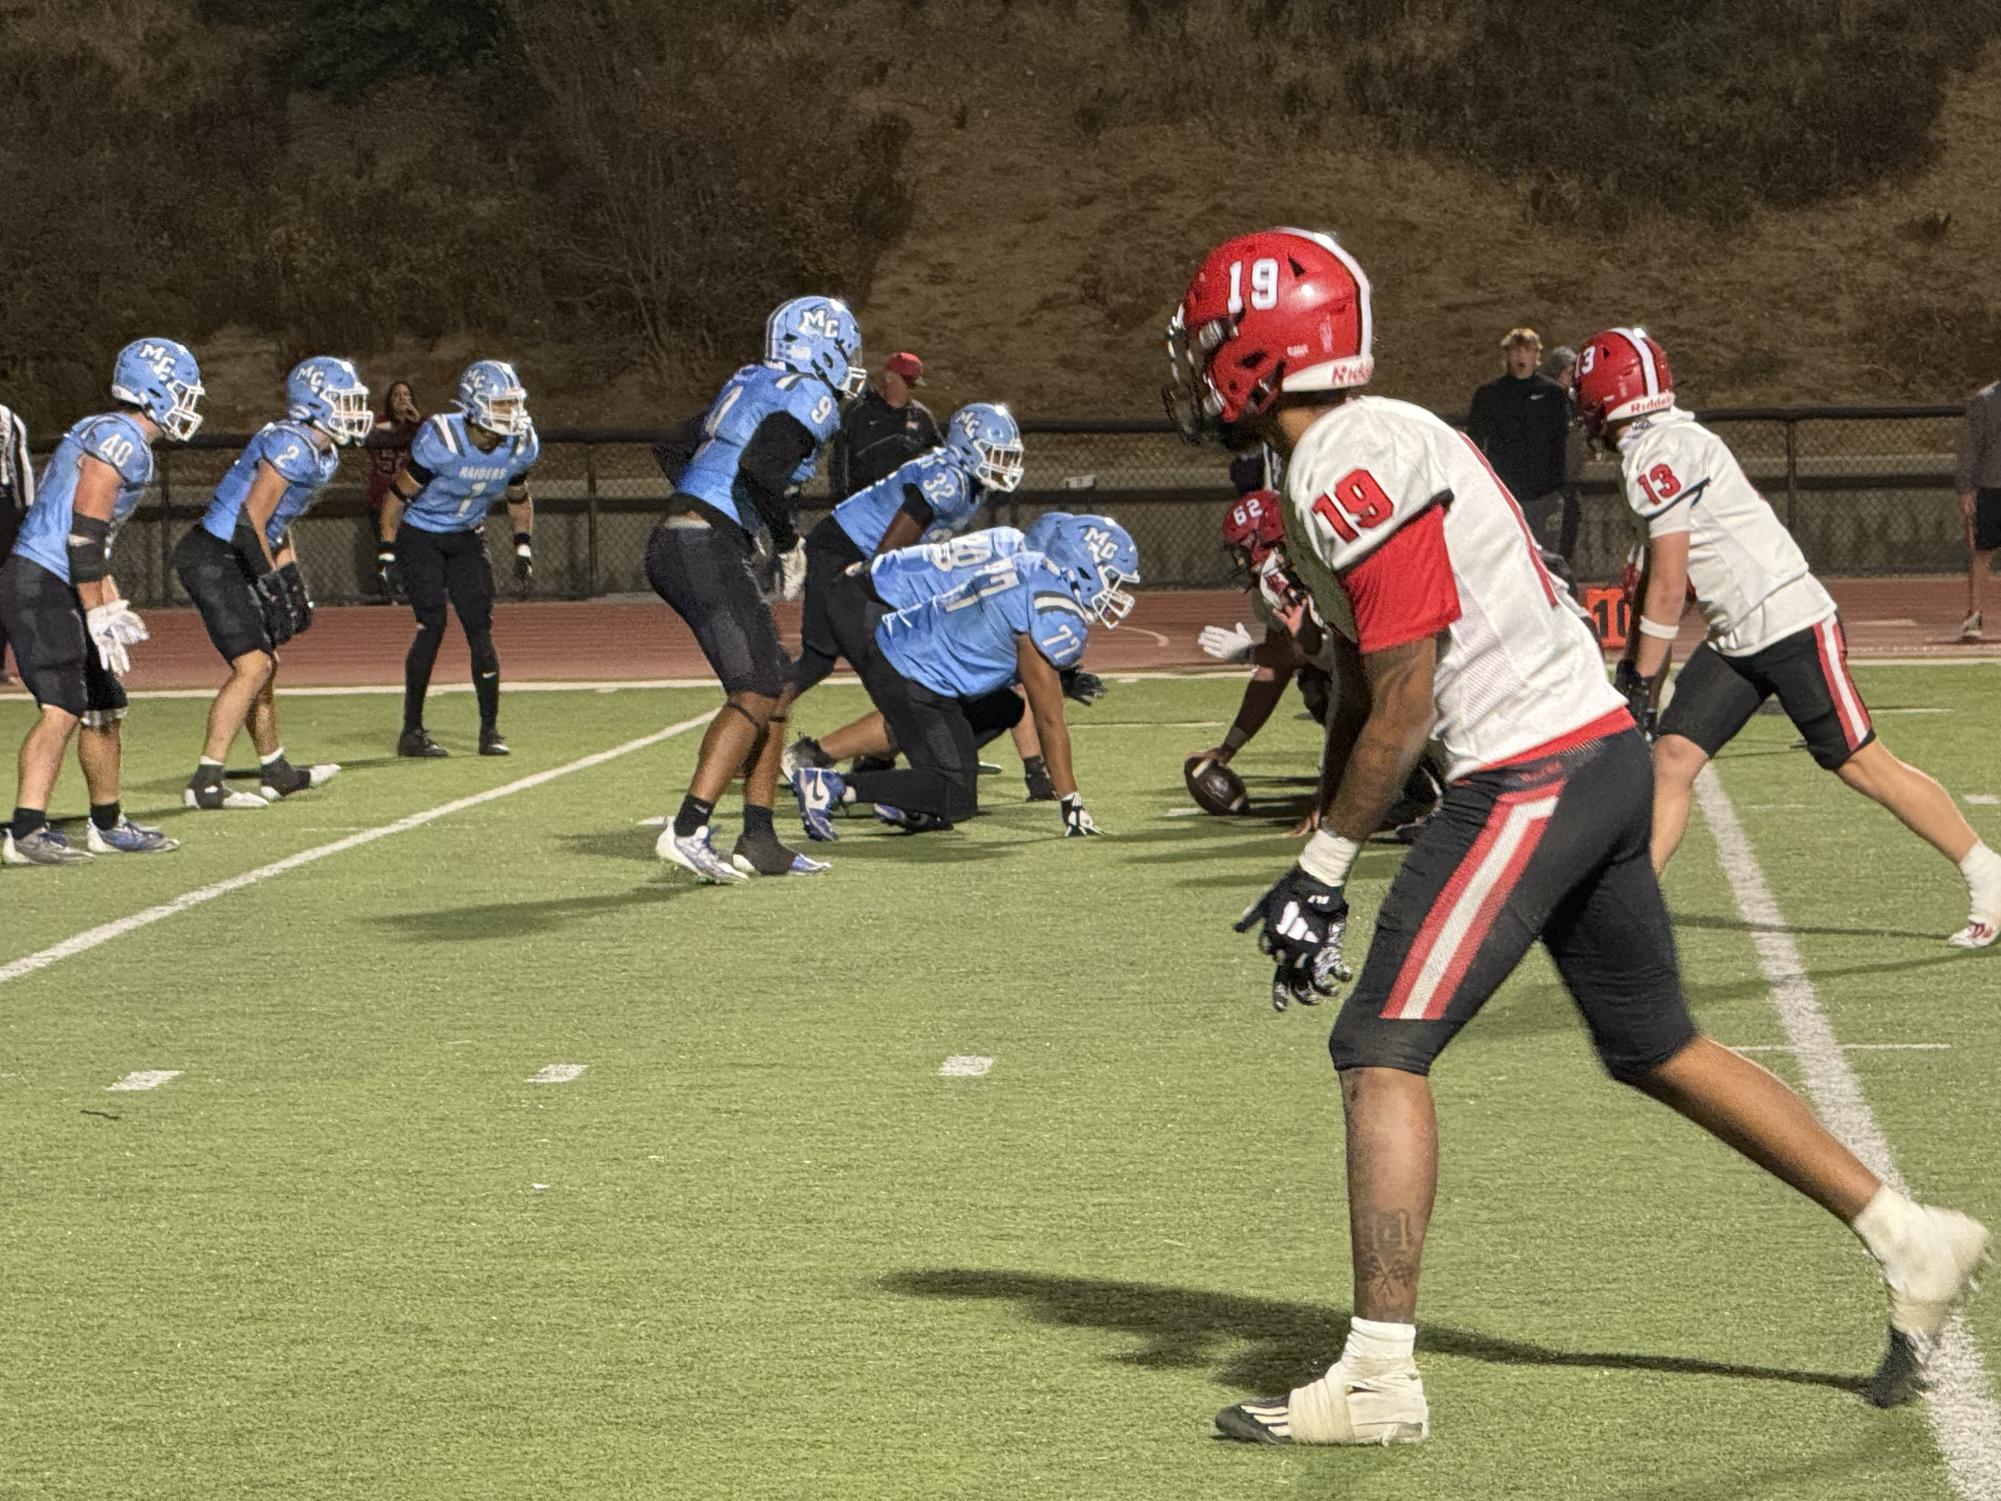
x=485 y=659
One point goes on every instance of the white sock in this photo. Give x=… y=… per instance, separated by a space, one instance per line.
x=1885 y=1223
x=1979 y=861
x=1372 y=1339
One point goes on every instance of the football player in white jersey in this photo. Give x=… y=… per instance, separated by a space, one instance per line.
x=1772 y=627
x=1420 y=560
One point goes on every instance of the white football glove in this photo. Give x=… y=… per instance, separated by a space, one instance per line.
x=792 y=572
x=114 y=628
x=1233 y=645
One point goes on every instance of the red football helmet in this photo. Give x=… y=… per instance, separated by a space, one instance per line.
x=1279 y=310
x=1621 y=373
x=1252 y=527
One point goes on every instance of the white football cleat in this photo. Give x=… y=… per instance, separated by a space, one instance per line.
x=1983 y=895
x=1358 y=1401
x=1935 y=1269
x=285 y=780
x=1969 y=628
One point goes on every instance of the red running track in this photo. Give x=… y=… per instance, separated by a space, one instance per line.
x=597 y=641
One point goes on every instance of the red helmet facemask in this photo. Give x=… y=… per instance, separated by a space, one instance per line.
x=1276 y=311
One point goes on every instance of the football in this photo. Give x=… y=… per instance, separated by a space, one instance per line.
x=1215 y=788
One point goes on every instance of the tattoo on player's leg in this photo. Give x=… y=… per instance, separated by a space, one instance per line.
x=1388 y=1255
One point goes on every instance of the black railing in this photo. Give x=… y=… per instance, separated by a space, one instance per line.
x=1867 y=490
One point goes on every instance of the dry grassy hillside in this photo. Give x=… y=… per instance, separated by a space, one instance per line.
x=1051 y=232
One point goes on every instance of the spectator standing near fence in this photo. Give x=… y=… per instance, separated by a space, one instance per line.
x=885 y=426
x=1560 y=365
x=388 y=451
x=1521 y=420
x=1977 y=476
x=17 y=493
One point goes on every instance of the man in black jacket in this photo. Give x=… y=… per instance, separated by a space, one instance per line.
x=1521 y=422
x=885 y=426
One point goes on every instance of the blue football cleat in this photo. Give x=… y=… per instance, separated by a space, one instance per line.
x=819 y=793
x=129 y=838
x=910 y=823
x=695 y=853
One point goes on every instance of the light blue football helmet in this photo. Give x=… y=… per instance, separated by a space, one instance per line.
x=492 y=395
x=326 y=392
x=1044 y=530
x=984 y=437
x=161 y=378
x=817 y=336
x=1097 y=558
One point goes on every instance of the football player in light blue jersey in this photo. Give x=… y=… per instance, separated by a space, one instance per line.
x=242 y=572
x=71 y=631
x=758 y=443
x=433 y=537
x=1021 y=619
x=911 y=575
x=940 y=489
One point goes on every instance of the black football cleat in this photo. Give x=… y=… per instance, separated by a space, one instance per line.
x=418 y=745
x=763 y=855
x=492 y=742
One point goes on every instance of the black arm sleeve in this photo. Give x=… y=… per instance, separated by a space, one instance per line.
x=765 y=469
x=89 y=549
x=673 y=455
x=420 y=474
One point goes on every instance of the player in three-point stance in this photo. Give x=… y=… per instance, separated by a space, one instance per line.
x=433 y=537
x=760 y=441
x=936 y=667
x=1420 y=560
x=242 y=572
x=932 y=495
x=1772 y=627
x=72 y=632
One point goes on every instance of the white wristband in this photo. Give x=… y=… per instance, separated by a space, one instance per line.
x=1328 y=857
x=1658 y=631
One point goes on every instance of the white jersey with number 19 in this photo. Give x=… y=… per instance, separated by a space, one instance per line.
x=1400 y=530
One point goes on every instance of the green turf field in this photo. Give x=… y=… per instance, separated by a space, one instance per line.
x=760 y=1248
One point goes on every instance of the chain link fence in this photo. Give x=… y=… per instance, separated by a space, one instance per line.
x=1867 y=490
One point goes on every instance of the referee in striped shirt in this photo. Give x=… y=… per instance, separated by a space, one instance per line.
x=17 y=493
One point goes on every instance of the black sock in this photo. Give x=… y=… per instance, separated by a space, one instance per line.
x=207 y=774
x=104 y=815
x=488 y=690
x=27 y=820
x=694 y=813
x=814 y=754
x=757 y=820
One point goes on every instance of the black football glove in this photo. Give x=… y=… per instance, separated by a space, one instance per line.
x=1085 y=687
x=1638 y=692
x=1077 y=820
x=1304 y=921
x=389 y=571
x=524 y=557
x=281 y=600
x=1035 y=773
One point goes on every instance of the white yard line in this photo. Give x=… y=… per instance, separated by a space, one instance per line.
x=1961 y=1406
x=965 y=1066
x=103 y=933
x=1847 y=1047
x=145 y=1078
x=558 y=1073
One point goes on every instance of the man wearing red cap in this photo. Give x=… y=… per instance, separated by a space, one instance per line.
x=884 y=427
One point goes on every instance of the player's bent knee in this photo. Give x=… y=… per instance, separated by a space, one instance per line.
x=1677 y=758
x=756 y=707
x=1363 y=1038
